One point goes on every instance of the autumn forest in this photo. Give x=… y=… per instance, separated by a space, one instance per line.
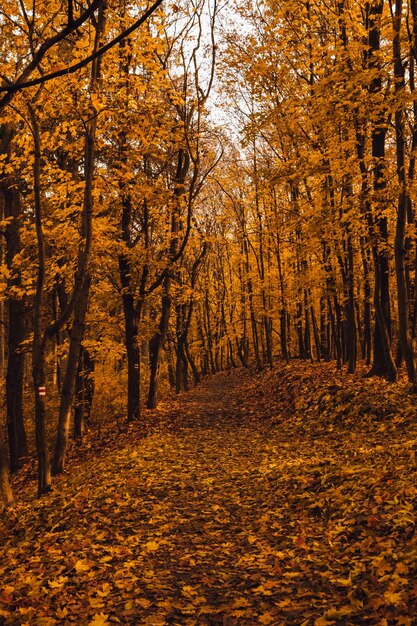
x=208 y=312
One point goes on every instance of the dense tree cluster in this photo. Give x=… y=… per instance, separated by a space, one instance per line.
x=139 y=238
x=323 y=213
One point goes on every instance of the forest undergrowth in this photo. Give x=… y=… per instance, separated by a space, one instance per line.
x=285 y=497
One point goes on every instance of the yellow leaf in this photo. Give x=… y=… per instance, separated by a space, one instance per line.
x=54 y=584
x=262 y=589
x=187 y=590
x=157 y=619
x=106 y=559
x=99 y=619
x=58 y=583
x=83 y=43
x=340 y=612
x=322 y=621
x=96 y=603
x=151 y=546
x=105 y=590
x=240 y=603
x=144 y=602
x=96 y=102
x=81 y=566
x=392 y=597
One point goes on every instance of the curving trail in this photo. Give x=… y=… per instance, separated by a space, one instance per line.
x=224 y=513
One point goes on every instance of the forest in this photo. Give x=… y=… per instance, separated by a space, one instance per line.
x=208 y=312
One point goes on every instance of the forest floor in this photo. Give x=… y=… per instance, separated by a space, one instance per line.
x=285 y=497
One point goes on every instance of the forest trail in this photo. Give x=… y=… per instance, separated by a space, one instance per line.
x=235 y=507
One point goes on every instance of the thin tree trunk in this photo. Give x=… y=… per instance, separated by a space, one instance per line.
x=6 y=493
x=131 y=317
x=181 y=364
x=196 y=373
x=283 y=311
x=83 y=277
x=412 y=167
x=155 y=346
x=351 y=322
x=383 y=362
x=367 y=313
x=39 y=339
x=403 y=200
x=84 y=392
x=157 y=341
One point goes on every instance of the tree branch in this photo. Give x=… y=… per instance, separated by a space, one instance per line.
x=21 y=82
x=13 y=87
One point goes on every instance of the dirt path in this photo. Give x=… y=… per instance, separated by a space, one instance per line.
x=216 y=517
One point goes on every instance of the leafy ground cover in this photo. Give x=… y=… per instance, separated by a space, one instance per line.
x=286 y=497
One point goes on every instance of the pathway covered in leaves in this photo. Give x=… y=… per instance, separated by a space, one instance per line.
x=238 y=505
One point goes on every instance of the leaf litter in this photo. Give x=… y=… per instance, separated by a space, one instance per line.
x=286 y=497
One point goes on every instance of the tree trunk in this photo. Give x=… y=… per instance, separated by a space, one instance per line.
x=196 y=373
x=83 y=277
x=283 y=312
x=44 y=462
x=351 y=322
x=68 y=383
x=367 y=313
x=155 y=346
x=383 y=362
x=84 y=392
x=16 y=311
x=174 y=253
x=403 y=201
x=181 y=364
x=131 y=317
x=6 y=494
x=14 y=383
x=39 y=339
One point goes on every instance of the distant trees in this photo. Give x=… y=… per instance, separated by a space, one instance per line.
x=325 y=101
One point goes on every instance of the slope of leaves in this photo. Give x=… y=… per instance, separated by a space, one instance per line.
x=286 y=497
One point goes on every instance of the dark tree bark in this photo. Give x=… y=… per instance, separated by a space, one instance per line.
x=175 y=251
x=367 y=298
x=405 y=343
x=383 y=362
x=194 y=368
x=84 y=392
x=283 y=312
x=412 y=164
x=6 y=494
x=181 y=362
x=184 y=314
x=156 y=343
x=82 y=279
x=16 y=311
x=40 y=339
x=131 y=317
